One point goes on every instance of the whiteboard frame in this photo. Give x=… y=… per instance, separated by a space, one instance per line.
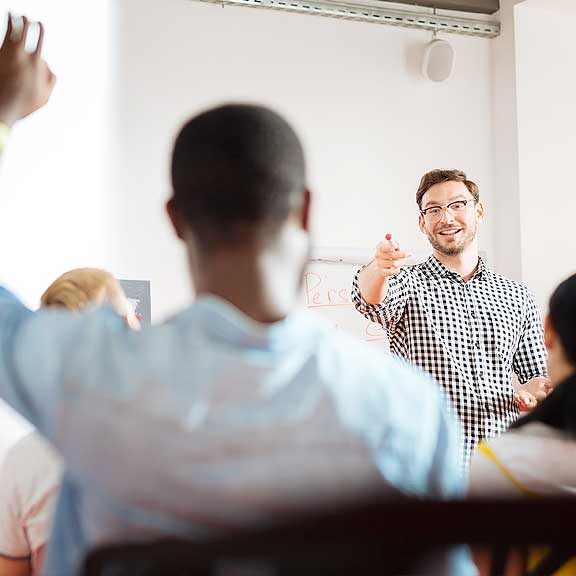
x=361 y=256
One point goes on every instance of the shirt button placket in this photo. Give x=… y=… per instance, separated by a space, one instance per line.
x=478 y=359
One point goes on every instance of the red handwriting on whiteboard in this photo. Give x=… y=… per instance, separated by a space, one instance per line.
x=320 y=292
x=375 y=331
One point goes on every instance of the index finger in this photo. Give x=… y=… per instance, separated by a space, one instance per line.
x=387 y=246
x=391 y=242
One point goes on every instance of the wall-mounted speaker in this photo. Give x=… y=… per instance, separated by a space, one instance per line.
x=438 y=62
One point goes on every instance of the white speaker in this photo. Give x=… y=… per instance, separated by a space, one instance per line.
x=438 y=62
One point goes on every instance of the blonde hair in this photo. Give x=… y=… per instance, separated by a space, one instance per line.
x=84 y=287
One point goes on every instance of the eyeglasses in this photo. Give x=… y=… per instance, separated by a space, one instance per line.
x=433 y=213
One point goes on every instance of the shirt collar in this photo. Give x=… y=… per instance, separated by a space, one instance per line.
x=224 y=322
x=482 y=271
x=438 y=270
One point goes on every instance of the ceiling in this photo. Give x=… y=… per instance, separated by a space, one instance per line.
x=478 y=6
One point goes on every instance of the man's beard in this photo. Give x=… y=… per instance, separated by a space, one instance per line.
x=468 y=235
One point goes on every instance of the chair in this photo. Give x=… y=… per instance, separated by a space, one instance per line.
x=374 y=537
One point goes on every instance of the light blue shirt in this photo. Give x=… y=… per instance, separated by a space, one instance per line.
x=212 y=421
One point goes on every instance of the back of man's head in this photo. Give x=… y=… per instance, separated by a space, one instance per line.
x=238 y=172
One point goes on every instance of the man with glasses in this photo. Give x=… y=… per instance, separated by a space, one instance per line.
x=466 y=325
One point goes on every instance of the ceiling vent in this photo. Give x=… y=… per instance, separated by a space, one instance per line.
x=477 y=6
x=377 y=12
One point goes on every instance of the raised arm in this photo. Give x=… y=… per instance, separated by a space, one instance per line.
x=26 y=81
x=374 y=295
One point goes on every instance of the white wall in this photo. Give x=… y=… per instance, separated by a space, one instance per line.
x=370 y=123
x=546 y=92
x=506 y=214
x=534 y=85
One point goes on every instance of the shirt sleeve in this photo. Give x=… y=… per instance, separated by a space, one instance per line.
x=33 y=351
x=13 y=541
x=37 y=472
x=530 y=357
x=389 y=312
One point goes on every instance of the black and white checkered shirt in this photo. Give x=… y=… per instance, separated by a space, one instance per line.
x=469 y=335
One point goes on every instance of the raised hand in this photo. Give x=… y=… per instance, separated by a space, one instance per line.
x=26 y=81
x=389 y=258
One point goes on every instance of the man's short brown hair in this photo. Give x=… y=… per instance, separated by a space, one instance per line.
x=438 y=176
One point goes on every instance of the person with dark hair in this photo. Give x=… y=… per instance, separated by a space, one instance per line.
x=240 y=409
x=537 y=456
x=467 y=326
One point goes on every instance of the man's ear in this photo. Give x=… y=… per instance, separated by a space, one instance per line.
x=422 y=224
x=479 y=211
x=305 y=215
x=175 y=218
x=550 y=336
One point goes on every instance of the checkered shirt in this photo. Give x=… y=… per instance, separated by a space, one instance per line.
x=469 y=335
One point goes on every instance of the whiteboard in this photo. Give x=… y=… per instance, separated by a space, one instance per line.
x=327 y=291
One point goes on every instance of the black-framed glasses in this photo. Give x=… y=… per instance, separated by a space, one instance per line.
x=433 y=213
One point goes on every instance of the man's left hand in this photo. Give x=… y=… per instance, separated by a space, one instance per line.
x=533 y=392
x=525 y=400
